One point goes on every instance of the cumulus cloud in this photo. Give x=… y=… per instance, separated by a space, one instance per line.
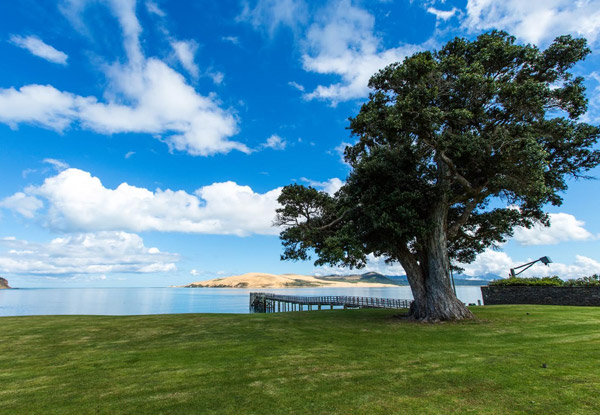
x=297 y=86
x=488 y=262
x=563 y=227
x=342 y=42
x=57 y=164
x=500 y=263
x=78 y=202
x=271 y=14
x=374 y=264
x=185 y=52
x=442 y=14
x=275 y=142
x=153 y=8
x=593 y=114
x=87 y=253
x=39 y=48
x=38 y=104
x=338 y=39
x=144 y=95
x=330 y=186
x=23 y=204
x=231 y=39
x=536 y=21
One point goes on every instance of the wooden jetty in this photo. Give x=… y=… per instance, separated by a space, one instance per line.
x=271 y=303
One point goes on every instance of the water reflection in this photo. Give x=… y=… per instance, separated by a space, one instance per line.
x=133 y=301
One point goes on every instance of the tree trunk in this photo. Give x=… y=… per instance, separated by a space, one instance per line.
x=429 y=279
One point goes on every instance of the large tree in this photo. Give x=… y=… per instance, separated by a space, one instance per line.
x=455 y=148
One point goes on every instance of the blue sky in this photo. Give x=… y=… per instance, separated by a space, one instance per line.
x=145 y=143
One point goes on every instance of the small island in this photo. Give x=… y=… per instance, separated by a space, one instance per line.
x=4 y=284
x=264 y=280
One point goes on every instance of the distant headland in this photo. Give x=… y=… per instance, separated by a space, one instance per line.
x=263 y=280
x=3 y=283
x=368 y=279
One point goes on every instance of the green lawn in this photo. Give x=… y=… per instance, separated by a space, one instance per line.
x=327 y=362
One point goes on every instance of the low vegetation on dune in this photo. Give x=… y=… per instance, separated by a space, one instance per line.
x=509 y=360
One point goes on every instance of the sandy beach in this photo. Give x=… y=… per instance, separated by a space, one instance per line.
x=264 y=280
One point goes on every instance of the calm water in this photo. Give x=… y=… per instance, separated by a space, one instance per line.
x=130 y=301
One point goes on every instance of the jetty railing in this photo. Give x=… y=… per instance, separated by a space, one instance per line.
x=270 y=302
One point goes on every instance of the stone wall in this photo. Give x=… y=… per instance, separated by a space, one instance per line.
x=589 y=296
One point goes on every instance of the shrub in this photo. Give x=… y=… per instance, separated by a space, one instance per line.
x=553 y=281
x=592 y=280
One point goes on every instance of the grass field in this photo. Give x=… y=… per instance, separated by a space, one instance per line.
x=328 y=362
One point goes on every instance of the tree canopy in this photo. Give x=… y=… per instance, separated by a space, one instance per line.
x=454 y=149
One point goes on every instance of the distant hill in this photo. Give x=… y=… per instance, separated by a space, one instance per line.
x=263 y=280
x=483 y=279
x=368 y=279
x=459 y=279
x=3 y=283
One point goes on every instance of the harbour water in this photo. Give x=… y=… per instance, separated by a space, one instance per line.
x=135 y=301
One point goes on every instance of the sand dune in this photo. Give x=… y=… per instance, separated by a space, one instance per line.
x=262 y=280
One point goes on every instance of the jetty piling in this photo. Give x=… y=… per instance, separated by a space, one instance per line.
x=271 y=303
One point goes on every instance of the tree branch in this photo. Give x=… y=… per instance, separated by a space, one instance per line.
x=459 y=177
x=334 y=222
x=469 y=208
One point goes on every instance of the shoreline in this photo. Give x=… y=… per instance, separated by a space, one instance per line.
x=260 y=280
x=341 y=285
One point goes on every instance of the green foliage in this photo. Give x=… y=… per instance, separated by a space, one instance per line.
x=590 y=281
x=553 y=281
x=444 y=134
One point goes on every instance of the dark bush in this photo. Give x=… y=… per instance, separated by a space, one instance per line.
x=590 y=281
x=553 y=281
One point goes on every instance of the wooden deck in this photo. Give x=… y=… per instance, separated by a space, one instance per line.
x=270 y=303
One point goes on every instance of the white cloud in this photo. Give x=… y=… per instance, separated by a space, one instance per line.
x=593 y=95
x=38 y=104
x=330 y=186
x=500 y=263
x=23 y=204
x=275 y=142
x=442 y=14
x=37 y=47
x=78 y=202
x=374 y=264
x=185 y=52
x=129 y=154
x=563 y=227
x=271 y=14
x=143 y=96
x=339 y=39
x=490 y=262
x=342 y=42
x=536 y=21
x=194 y=272
x=87 y=253
x=153 y=8
x=162 y=104
x=340 y=150
x=216 y=76
x=57 y=164
x=297 y=86
x=231 y=39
